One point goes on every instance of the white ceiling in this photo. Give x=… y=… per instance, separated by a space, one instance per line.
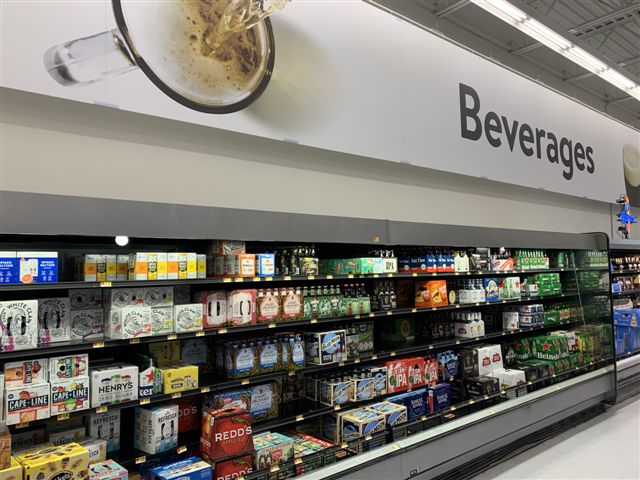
x=609 y=29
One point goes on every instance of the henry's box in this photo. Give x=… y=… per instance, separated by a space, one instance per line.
x=225 y=433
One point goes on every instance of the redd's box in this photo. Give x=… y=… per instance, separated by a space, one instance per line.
x=233 y=468
x=225 y=433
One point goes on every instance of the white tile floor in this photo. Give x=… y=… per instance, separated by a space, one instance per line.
x=604 y=448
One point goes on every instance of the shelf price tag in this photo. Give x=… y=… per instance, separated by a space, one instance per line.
x=329 y=277
x=101 y=409
x=140 y=460
x=430 y=347
x=376 y=275
x=133 y=341
x=181 y=449
x=414 y=274
x=350 y=275
x=275 y=468
x=257 y=279
x=227 y=280
x=172 y=336
x=344 y=445
x=145 y=401
x=457 y=342
x=372 y=314
x=22 y=425
x=434 y=308
x=297 y=461
x=356 y=317
x=356 y=360
x=423 y=418
x=368 y=437
x=222 y=330
x=471 y=402
x=457 y=306
x=311 y=277
x=292 y=373
x=206 y=389
x=287 y=277
x=453 y=407
x=105 y=284
x=268 y=279
x=200 y=333
x=414 y=310
x=390 y=275
x=299 y=418
x=238 y=280
x=176 y=395
x=244 y=381
x=314 y=320
x=63 y=416
x=336 y=408
x=395 y=446
x=341 y=364
x=272 y=325
x=98 y=344
x=374 y=357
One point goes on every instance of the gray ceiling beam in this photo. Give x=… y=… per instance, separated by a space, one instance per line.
x=626 y=63
x=452 y=8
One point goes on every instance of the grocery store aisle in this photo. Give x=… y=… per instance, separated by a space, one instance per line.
x=605 y=447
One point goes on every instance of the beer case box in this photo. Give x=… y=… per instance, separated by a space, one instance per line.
x=431 y=293
x=190 y=469
x=265 y=400
x=214 y=309
x=176 y=266
x=188 y=318
x=480 y=386
x=268 y=307
x=233 y=468
x=122 y=267
x=5 y=450
x=9 y=270
x=194 y=351
x=38 y=267
x=85 y=299
x=227 y=247
x=70 y=461
x=240 y=265
x=510 y=379
x=415 y=402
x=66 y=436
x=54 y=324
x=439 y=397
x=394 y=413
x=87 y=267
x=271 y=448
x=157 y=265
x=550 y=347
x=335 y=393
x=241 y=307
x=112 y=267
x=188 y=414
x=105 y=426
x=107 y=470
x=87 y=325
x=570 y=336
x=201 y=265
x=128 y=322
x=166 y=353
x=265 y=264
x=397 y=376
x=359 y=423
x=139 y=266
x=27 y=403
x=216 y=266
x=26 y=372
x=26 y=439
x=156 y=428
x=70 y=395
x=162 y=320
x=510 y=321
x=19 y=325
x=179 y=378
x=379 y=376
x=13 y=471
x=398 y=331
x=69 y=366
x=361 y=389
x=96 y=447
x=225 y=433
x=322 y=348
x=113 y=384
x=491 y=289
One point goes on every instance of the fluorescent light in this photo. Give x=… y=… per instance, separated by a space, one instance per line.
x=543 y=34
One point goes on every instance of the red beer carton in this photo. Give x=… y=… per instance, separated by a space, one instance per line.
x=397 y=376
x=225 y=433
x=233 y=468
x=188 y=414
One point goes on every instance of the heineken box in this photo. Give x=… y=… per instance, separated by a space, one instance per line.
x=397 y=331
x=550 y=347
x=523 y=349
x=571 y=337
x=550 y=317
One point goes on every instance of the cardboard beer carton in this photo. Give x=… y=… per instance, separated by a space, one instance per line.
x=156 y=428
x=225 y=433
x=107 y=470
x=70 y=461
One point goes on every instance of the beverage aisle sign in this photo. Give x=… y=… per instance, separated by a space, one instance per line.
x=341 y=76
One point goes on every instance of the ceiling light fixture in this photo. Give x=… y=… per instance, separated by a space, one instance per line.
x=509 y=13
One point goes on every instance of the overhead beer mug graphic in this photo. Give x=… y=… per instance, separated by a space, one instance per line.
x=213 y=56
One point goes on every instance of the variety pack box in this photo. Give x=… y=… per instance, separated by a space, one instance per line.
x=27 y=439
x=96 y=447
x=108 y=470
x=26 y=403
x=85 y=299
x=241 y=307
x=188 y=318
x=215 y=307
x=19 y=325
x=26 y=372
x=233 y=468
x=13 y=472
x=190 y=469
x=128 y=322
x=9 y=272
x=70 y=461
x=123 y=297
x=54 y=323
x=70 y=395
x=415 y=402
x=113 y=384
x=105 y=426
x=225 y=433
x=161 y=320
x=322 y=348
x=61 y=437
x=271 y=448
x=70 y=366
x=179 y=378
x=432 y=293
x=38 y=267
x=87 y=325
x=156 y=428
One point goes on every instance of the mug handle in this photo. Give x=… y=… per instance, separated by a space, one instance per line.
x=88 y=60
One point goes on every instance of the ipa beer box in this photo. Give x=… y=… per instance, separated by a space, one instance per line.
x=68 y=462
x=156 y=428
x=19 y=325
x=27 y=403
x=38 y=267
x=107 y=470
x=113 y=384
x=128 y=322
x=54 y=323
x=70 y=395
x=225 y=433
x=87 y=325
x=26 y=372
x=105 y=426
x=9 y=270
x=61 y=368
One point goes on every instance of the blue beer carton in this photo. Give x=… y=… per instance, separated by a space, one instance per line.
x=38 y=267
x=266 y=264
x=439 y=397
x=9 y=268
x=491 y=289
x=415 y=401
x=192 y=468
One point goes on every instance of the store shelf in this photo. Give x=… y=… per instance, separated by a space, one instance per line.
x=63 y=347
x=625 y=272
x=627 y=292
x=272 y=279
